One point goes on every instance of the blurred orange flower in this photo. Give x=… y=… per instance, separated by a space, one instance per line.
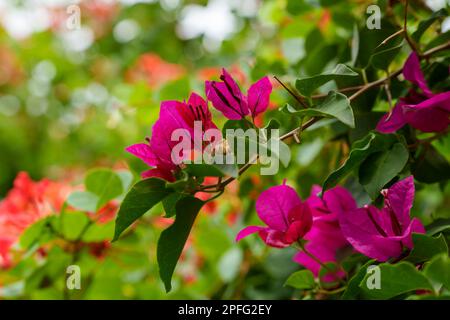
x=26 y=203
x=235 y=71
x=154 y=70
x=10 y=70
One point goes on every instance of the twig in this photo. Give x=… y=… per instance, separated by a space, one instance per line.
x=405 y=28
x=292 y=93
x=390 y=37
x=432 y=51
x=360 y=90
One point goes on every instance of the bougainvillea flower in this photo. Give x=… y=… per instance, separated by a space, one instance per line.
x=382 y=234
x=227 y=97
x=25 y=204
x=325 y=237
x=287 y=218
x=422 y=109
x=173 y=115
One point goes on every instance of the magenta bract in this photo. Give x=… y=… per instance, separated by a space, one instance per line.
x=287 y=218
x=382 y=234
x=325 y=237
x=425 y=111
x=226 y=96
x=173 y=115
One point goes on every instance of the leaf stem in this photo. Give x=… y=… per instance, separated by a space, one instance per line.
x=323 y=265
x=292 y=93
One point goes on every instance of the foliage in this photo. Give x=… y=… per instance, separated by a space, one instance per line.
x=333 y=84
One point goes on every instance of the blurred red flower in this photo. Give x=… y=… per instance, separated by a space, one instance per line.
x=26 y=203
x=154 y=70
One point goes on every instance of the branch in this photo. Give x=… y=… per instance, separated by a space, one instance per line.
x=360 y=90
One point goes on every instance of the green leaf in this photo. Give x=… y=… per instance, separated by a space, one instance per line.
x=266 y=131
x=395 y=279
x=353 y=290
x=381 y=167
x=83 y=200
x=243 y=124
x=426 y=247
x=439 y=225
x=273 y=124
x=99 y=232
x=306 y=86
x=382 y=59
x=212 y=170
x=430 y=166
x=335 y=105
x=73 y=224
x=361 y=150
x=438 y=272
x=181 y=183
x=303 y=279
x=425 y=24
x=172 y=240
x=170 y=202
x=38 y=233
x=141 y=198
x=370 y=39
x=105 y=184
x=204 y=170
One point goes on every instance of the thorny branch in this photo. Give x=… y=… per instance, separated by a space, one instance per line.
x=219 y=187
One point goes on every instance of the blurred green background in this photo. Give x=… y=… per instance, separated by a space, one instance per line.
x=71 y=100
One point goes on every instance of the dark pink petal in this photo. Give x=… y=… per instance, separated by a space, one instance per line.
x=227 y=97
x=325 y=228
x=431 y=115
x=413 y=73
x=160 y=141
x=248 y=231
x=143 y=152
x=315 y=203
x=414 y=97
x=274 y=238
x=234 y=91
x=158 y=173
x=393 y=120
x=300 y=219
x=198 y=106
x=258 y=96
x=274 y=205
x=362 y=229
x=416 y=226
x=338 y=199
x=325 y=237
x=399 y=198
x=176 y=115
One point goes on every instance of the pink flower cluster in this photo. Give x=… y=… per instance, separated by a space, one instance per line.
x=334 y=222
x=225 y=96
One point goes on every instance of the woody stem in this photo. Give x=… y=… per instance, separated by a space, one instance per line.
x=359 y=90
